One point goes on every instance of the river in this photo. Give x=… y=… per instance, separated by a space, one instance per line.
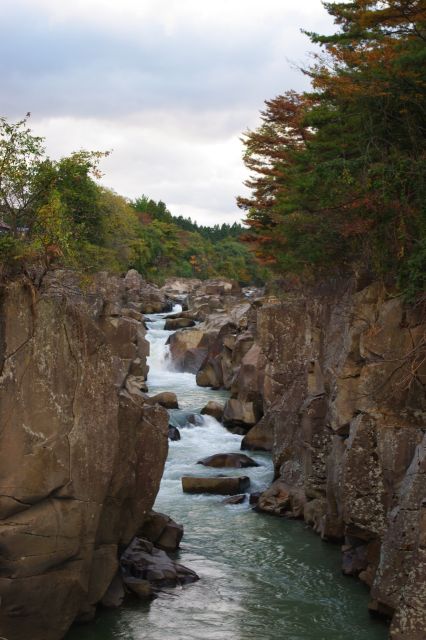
x=262 y=578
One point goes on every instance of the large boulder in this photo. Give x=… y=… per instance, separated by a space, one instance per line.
x=162 y=531
x=146 y=569
x=214 y=409
x=259 y=438
x=172 y=324
x=232 y=460
x=181 y=342
x=166 y=399
x=281 y=499
x=174 y=433
x=221 y=485
x=150 y=299
x=180 y=287
x=239 y=415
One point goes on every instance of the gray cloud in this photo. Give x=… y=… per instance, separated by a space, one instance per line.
x=170 y=91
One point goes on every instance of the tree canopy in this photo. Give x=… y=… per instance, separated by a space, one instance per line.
x=58 y=210
x=337 y=173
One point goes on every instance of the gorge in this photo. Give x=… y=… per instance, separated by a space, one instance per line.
x=83 y=450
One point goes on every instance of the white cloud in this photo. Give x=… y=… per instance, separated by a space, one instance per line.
x=168 y=84
x=197 y=176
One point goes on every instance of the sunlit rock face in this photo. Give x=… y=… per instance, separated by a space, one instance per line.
x=81 y=455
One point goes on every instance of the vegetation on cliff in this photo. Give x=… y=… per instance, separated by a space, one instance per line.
x=57 y=211
x=337 y=173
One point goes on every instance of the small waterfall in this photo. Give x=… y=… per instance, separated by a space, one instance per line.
x=158 y=359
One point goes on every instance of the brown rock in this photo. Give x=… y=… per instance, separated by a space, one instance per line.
x=259 y=438
x=162 y=531
x=141 y=588
x=280 y=499
x=81 y=461
x=174 y=433
x=214 y=409
x=219 y=485
x=132 y=313
x=181 y=342
x=178 y=323
x=166 y=399
x=233 y=460
x=240 y=414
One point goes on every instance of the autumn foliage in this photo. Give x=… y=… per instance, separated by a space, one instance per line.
x=337 y=173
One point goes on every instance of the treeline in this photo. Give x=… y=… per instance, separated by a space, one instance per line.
x=56 y=212
x=159 y=211
x=338 y=172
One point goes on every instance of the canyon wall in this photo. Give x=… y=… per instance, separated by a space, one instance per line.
x=344 y=405
x=81 y=454
x=333 y=379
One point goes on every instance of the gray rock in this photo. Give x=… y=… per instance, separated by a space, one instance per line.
x=142 y=561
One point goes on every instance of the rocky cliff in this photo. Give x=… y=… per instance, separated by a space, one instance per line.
x=334 y=380
x=81 y=454
x=344 y=405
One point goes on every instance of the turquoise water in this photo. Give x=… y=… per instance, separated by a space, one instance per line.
x=262 y=578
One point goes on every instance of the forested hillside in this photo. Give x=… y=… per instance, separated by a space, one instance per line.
x=336 y=177
x=56 y=211
x=338 y=173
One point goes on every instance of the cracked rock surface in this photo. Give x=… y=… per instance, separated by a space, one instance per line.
x=333 y=377
x=81 y=456
x=345 y=405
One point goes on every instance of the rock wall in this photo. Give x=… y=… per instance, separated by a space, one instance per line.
x=343 y=388
x=81 y=454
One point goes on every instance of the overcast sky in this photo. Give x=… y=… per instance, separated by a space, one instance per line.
x=168 y=85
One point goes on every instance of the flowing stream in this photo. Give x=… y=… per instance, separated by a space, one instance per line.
x=262 y=578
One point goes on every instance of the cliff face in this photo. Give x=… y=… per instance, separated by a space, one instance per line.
x=81 y=456
x=343 y=387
